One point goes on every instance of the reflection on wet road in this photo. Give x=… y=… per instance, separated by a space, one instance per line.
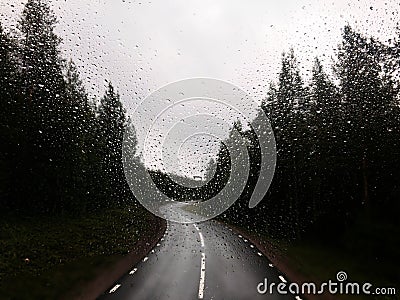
x=198 y=261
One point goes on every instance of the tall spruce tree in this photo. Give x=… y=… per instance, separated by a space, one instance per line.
x=324 y=143
x=291 y=100
x=40 y=54
x=11 y=136
x=8 y=79
x=367 y=98
x=80 y=120
x=112 y=121
x=43 y=86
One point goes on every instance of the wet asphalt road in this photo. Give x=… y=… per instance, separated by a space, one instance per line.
x=198 y=261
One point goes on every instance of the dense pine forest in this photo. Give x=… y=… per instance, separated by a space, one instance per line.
x=338 y=136
x=66 y=210
x=60 y=149
x=338 y=142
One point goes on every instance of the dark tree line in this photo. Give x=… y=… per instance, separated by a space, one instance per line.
x=60 y=152
x=338 y=142
x=338 y=139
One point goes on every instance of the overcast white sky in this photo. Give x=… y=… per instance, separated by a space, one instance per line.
x=148 y=44
x=142 y=45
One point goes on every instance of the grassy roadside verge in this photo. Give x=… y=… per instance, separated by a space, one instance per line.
x=45 y=258
x=318 y=261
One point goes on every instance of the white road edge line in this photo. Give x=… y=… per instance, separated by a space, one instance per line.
x=145 y=259
x=202 y=275
x=114 y=288
x=133 y=271
x=195 y=226
x=282 y=278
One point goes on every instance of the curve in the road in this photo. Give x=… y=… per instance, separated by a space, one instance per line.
x=199 y=261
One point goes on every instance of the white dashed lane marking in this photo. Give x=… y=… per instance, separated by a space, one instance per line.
x=260 y=254
x=202 y=265
x=201 y=239
x=133 y=271
x=202 y=275
x=114 y=288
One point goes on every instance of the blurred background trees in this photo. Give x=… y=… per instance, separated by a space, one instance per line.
x=60 y=151
x=338 y=144
x=337 y=134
